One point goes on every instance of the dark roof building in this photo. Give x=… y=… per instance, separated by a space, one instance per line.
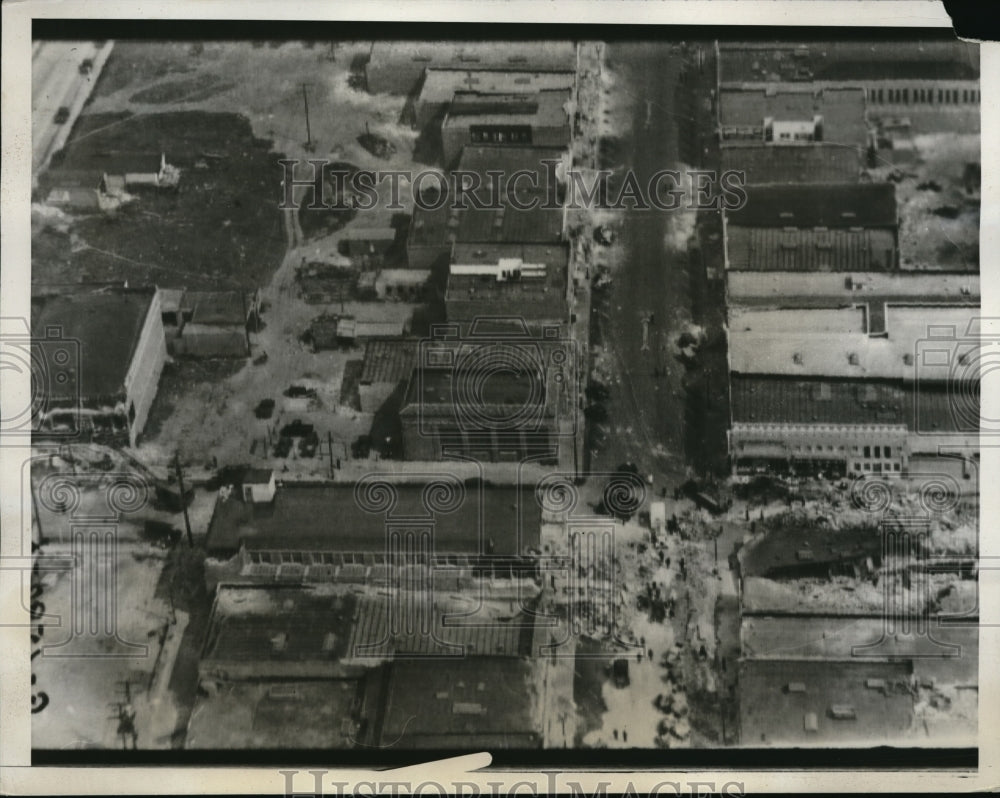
x=793 y=163
x=793 y=114
x=832 y=205
x=335 y=519
x=767 y=399
x=541 y=119
x=387 y=366
x=104 y=351
x=433 y=232
x=477 y=703
x=808 y=703
x=746 y=63
x=775 y=249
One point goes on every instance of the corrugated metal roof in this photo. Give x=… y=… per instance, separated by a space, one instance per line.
x=798 y=250
x=388 y=361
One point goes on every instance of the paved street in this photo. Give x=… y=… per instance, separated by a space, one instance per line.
x=647 y=405
x=57 y=82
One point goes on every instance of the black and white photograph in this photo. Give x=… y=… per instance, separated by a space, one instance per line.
x=591 y=396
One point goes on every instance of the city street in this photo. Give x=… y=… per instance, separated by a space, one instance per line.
x=646 y=409
x=57 y=81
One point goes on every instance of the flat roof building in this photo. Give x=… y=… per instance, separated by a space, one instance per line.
x=790 y=115
x=441 y=83
x=397 y=67
x=104 y=351
x=526 y=281
x=811 y=162
x=434 y=231
x=477 y=703
x=308 y=522
x=540 y=119
x=806 y=703
x=877 y=388
x=933 y=83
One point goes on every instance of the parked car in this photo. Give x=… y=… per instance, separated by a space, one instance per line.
x=62 y=114
x=86 y=65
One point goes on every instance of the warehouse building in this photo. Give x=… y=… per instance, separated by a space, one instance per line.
x=493 y=397
x=440 y=85
x=837 y=227
x=812 y=162
x=793 y=115
x=481 y=704
x=934 y=83
x=103 y=352
x=398 y=67
x=540 y=119
x=874 y=388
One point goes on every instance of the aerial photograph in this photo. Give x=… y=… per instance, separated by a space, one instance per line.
x=453 y=395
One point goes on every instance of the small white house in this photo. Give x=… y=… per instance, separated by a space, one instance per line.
x=259 y=486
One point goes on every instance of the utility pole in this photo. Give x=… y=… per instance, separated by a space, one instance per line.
x=180 y=483
x=305 y=99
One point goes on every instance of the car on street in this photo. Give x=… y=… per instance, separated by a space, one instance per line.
x=62 y=114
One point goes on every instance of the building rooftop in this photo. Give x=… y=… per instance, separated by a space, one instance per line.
x=273 y=626
x=459 y=221
x=836 y=205
x=330 y=518
x=484 y=158
x=479 y=703
x=446 y=226
x=441 y=83
x=797 y=62
x=513 y=56
x=443 y=625
x=546 y=108
x=773 y=713
x=552 y=259
x=757 y=399
x=793 y=163
x=269 y=715
x=216 y=307
x=816 y=288
x=838 y=343
x=742 y=112
x=774 y=249
x=819 y=637
x=388 y=360
x=105 y=324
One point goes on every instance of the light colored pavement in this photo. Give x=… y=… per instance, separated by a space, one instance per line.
x=57 y=82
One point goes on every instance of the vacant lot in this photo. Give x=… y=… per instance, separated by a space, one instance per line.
x=219 y=227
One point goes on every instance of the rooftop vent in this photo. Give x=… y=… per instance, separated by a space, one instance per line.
x=797 y=358
x=843 y=712
x=852 y=358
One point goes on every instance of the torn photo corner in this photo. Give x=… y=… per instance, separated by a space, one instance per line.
x=406 y=399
